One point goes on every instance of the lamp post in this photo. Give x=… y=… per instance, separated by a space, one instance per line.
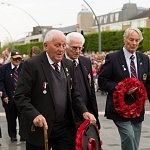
x=11 y=42
x=98 y=25
x=21 y=9
x=7 y=32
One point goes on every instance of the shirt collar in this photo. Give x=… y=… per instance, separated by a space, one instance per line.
x=51 y=62
x=77 y=60
x=13 y=66
x=127 y=53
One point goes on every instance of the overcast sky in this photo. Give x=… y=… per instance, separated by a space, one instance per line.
x=17 y=19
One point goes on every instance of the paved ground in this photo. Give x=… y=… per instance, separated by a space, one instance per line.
x=109 y=133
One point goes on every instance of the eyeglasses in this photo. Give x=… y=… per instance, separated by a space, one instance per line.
x=74 y=48
x=17 y=59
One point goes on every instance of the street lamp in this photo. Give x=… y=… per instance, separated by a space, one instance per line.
x=7 y=32
x=11 y=43
x=8 y=4
x=98 y=25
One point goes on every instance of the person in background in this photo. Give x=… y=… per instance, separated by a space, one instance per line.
x=117 y=67
x=46 y=95
x=9 y=74
x=35 y=50
x=7 y=53
x=83 y=71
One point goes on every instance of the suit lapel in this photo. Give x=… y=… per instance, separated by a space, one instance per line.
x=139 y=66
x=47 y=72
x=86 y=74
x=123 y=64
x=67 y=73
x=10 y=75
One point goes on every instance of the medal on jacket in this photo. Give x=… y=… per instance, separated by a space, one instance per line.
x=124 y=69
x=44 y=87
x=144 y=76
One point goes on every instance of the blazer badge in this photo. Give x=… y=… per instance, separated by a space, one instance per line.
x=144 y=76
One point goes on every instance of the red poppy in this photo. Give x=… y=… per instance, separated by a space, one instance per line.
x=134 y=107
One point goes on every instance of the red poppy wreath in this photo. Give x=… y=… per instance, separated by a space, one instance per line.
x=129 y=105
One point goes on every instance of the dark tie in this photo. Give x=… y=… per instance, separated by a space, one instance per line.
x=132 y=67
x=75 y=63
x=56 y=67
x=15 y=76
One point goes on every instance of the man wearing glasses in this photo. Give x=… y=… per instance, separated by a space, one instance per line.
x=83 y=71
x=9 y=74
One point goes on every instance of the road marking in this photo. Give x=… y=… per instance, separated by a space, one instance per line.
x=2 y=114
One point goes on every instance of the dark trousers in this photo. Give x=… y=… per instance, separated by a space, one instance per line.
x=62 y=138
x=11 y=117
x=0 y=133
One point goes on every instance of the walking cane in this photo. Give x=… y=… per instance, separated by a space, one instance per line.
x=45 y=138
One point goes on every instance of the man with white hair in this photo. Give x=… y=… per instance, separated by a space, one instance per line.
x=83 y=72
x=45 y=96
x=124 y=75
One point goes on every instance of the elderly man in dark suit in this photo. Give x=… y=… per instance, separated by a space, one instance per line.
x=118 y=66
x=83 y=71
x=9 y=74
x=46 y=94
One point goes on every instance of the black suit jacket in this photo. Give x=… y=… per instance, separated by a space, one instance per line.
x=86 y=68
x=6 y=81
x=113 y=72
x=31 y=100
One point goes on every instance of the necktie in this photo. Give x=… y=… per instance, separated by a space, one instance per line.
x=56 y=67
x=132 y=67
x=75 y=63
x=15 y=76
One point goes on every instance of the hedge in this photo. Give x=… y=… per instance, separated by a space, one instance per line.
x=110 y=41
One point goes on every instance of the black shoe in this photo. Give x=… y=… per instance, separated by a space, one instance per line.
x=22 y=139
x=13 y=139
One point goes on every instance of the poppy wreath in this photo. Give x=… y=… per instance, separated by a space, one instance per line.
x=135 y=106
x=79 y=137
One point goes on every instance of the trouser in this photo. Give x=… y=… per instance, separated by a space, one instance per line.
x=130 y=134
x=11 y=117
x=62 y=138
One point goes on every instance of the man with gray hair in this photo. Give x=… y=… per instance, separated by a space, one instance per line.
x=83 y=72
x=123 y=69
x=45 y=96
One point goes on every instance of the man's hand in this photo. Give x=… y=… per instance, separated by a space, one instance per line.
x=1 y=93
x=6 y=100
x=89 y=116
x=40 y=121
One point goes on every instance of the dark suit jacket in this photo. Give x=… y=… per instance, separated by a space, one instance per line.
x=113 y=72
x=86 y=69
x=31 y=101
x=6 y=81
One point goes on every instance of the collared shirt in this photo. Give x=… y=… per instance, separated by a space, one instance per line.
x=51 y=62
x=128 y=60
x=13 y=66
x=77 y=60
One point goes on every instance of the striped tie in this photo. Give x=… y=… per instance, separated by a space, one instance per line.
x=15 y=76
x=75 y=63
x=56 y=67
x=132 y=67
